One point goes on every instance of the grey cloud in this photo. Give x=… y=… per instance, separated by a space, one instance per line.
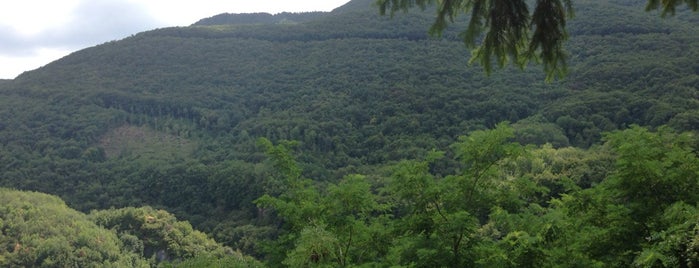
x=96 y=22
x=13 y=43
x=91 y=23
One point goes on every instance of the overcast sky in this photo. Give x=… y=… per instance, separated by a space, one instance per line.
x=36 y=32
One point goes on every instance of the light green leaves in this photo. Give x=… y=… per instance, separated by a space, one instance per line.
x=654 y=169
x=315 y=247
x=499 y=204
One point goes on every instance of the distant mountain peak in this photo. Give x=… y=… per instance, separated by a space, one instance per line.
x=284 y=17
x=357 y=5
x=259 y=18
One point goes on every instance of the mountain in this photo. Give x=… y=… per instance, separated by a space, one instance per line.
x=171 y=117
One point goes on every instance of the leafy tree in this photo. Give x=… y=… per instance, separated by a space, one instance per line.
x=161 y=235
x=338 y=227
x=509 y=32
x=294 y=199
x=208 y=261
x=654 y=170
x=641 y=213
x=315 y=247
x=438 y=217
x=521 y=239
x=39 y=230
x=675 y=241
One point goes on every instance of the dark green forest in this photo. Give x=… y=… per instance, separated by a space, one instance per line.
x=347 y=138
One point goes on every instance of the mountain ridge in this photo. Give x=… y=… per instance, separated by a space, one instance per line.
x=259 y=18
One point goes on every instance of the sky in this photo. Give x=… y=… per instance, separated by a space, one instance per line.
x=34 y=33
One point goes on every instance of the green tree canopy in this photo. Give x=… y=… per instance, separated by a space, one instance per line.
x=40 y=230
x=510 y=30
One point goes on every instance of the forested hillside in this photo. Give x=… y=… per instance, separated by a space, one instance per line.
x=254 y=128
x=39 y=230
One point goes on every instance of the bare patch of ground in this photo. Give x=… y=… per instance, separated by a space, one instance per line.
x=143 y=141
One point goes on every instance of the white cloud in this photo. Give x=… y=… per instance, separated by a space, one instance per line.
x=31 y=17
x=94 y=22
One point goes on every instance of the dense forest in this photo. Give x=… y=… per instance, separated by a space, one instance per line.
x=347 y=138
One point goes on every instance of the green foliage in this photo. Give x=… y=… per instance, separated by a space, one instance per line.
x=207 y=261
x=315 y=247
x=507 y=30
x=540 y=215
x=674 y=243
x=39 y=230
x=654 y=169
x=481 y=152
x=536 y=130
x=486 y=202
x=161 y=235
x=336 y=227
x=437 y=217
